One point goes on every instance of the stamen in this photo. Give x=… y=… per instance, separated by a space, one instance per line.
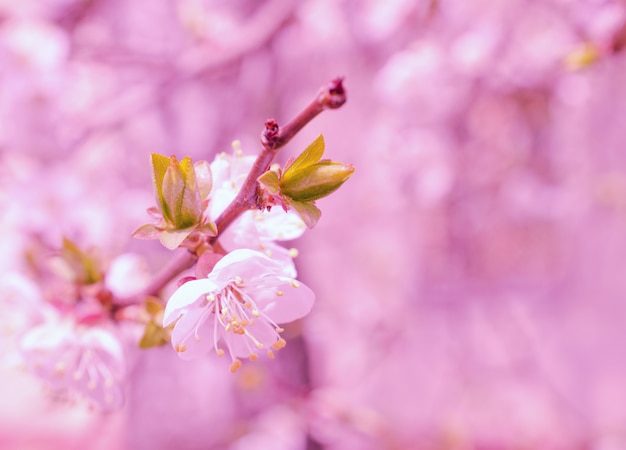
x=271 y=354
x=280 y=330
x=253 y=339
x=180 y=348
x=293 y=252
x=253 y=356
x=294 y=284
x=238 y=280
x=268 y=253
x=235 y=365
x=279 y=293
x=279 y=344
x=219 y=352
x=255 y=313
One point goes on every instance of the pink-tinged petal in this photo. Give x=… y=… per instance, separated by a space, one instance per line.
x=286 y=301
x=245 y=263
x=192 y=337
x=278 y=225
x=107 y=347
x=185 y=296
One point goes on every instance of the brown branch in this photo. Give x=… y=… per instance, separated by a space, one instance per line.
x=331 y=96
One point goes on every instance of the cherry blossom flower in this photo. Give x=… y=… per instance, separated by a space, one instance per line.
x=239 y=304
x=76 y=359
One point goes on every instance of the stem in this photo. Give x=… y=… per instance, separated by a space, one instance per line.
x=175 y=267
x=331 y=96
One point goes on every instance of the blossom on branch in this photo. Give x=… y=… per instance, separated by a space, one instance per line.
x=254 y=229
x=239 y=306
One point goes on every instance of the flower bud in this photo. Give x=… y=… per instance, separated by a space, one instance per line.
x=177 y=192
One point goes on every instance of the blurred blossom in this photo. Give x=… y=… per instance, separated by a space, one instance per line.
x=87 y=361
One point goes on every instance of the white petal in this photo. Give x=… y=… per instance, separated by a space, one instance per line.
x=185 y=296
x=247 y=264
x=194 y=337
x=284 y=302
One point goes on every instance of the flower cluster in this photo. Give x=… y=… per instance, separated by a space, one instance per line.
x=238 y=306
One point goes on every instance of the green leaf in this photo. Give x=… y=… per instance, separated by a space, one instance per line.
x=191 y=204
x=173 y=188
x=316 y=181
x=172 y=239
x=154 y=336
x=308 y=212
x=160 y=164
x=153 y=307
x=84 y=266
x=312 y=154
x=147 y=231
x=270 y=181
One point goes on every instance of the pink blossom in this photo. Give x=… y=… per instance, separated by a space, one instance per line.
x=240 y=304
x=73 y=359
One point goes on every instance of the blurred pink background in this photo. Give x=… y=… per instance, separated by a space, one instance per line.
x=470 y=277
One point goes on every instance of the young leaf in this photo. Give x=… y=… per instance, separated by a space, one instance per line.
x=160 y=164
x=312 y=154
x=154 y=336
x=308 y=212
x=316 y=181
x=172 y=239
x=270 y=181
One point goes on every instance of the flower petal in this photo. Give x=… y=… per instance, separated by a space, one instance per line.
x=192 y=337
x=185 y=296
x=247 y=264
x=286 y=301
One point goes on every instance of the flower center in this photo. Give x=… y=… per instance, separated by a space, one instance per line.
x=237 y=312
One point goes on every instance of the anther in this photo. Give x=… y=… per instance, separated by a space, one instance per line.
x=279 y=344
x=270 y=354
x=219 y=352
x=293 y=252
x=294 y=284
x=253 y=356
x=235 y=365
x=180 y=348
x=279 y=293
